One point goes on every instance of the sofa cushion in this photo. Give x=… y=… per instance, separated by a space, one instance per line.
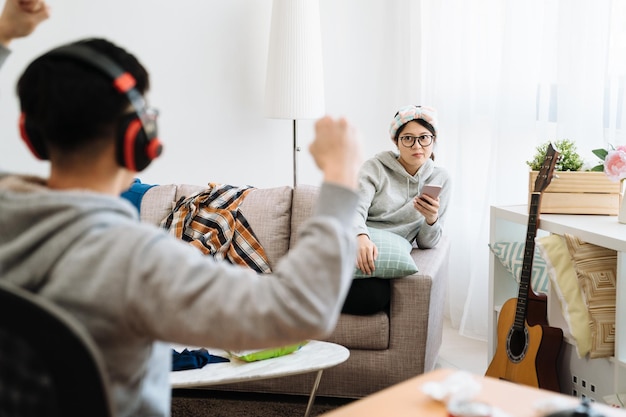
x=394 y=256
x=160 y=200
x=268 y=211
x=157 y=203
x=304 y=199
x=186 y=190
x=362 y=332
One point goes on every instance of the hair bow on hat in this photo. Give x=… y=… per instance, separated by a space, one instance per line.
x=412 y=112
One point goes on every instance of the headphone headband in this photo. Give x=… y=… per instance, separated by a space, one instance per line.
x=123 y=81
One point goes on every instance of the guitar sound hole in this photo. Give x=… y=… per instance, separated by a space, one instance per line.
x=517 y=343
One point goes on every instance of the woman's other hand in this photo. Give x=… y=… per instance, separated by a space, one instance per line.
x=366 y=254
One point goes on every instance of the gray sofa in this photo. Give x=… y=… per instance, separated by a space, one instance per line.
x=385 y=348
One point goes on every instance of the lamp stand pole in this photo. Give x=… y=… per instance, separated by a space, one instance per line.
x=296 y=149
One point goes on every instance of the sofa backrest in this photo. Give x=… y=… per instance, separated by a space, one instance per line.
x=304 y=199
x=268 y=211
x=157 y=202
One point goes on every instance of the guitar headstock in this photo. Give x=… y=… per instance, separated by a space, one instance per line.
x=547 y=169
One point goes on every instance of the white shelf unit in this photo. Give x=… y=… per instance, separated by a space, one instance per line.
x=509 y=223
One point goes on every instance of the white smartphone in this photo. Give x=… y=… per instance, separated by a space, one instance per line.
x=431 y=190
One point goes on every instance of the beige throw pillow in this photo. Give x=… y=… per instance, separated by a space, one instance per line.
x=596 y=268
x=564 y=284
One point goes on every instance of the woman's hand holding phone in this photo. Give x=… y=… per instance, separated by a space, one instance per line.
x=427 y=203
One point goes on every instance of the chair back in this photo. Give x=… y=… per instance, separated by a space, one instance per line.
x=49 y=365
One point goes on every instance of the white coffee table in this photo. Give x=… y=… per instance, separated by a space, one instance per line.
x=315 y=356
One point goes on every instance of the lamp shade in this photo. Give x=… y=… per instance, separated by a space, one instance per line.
x=294 y=88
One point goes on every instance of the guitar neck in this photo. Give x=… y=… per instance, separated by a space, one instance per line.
x=525 y=288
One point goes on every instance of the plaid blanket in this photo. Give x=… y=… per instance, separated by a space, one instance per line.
x=211 y=221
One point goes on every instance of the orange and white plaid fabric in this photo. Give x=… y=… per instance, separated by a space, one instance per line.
x=211 y=221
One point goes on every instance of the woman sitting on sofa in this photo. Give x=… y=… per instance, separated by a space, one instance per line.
x=390 y=187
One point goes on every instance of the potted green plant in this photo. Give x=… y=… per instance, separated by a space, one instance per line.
x=569 y=159
x=573 y=191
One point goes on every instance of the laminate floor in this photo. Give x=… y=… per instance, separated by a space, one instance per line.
x=459 y=352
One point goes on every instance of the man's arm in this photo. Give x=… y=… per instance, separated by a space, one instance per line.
x=336 y=151
x=4 y=53
x=237 y=308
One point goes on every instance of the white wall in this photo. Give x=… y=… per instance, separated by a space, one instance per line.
x=207 y=60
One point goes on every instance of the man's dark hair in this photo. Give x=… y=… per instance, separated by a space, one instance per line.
x=71 y=103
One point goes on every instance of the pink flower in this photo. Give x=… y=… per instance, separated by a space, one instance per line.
x=615 y=164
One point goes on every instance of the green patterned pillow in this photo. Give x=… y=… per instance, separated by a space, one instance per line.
x=394 y=256
x=511 y=255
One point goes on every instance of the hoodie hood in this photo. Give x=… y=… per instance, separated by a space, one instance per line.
x=390 y=160
x=413 y=183
x=37 y=225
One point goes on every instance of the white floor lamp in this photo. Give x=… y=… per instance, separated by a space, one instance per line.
x=294 y=86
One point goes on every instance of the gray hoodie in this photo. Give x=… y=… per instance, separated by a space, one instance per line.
x=386 y=199
x=134 y=286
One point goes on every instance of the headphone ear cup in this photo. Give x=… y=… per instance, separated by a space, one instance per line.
x=134 y=149
x=32 y=139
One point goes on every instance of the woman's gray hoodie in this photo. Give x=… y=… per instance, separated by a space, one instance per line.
x=386 y=199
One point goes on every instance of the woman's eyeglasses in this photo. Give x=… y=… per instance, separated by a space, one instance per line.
x=423 y=140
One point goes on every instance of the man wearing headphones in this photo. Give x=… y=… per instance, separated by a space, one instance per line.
x=19 y=18
x=71 y=239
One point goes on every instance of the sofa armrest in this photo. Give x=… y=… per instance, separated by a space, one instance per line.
x=417 y=306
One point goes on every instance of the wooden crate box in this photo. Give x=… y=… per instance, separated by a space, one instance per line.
x=578 y=192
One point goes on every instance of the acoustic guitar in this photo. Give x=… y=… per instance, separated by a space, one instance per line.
x=527 y=347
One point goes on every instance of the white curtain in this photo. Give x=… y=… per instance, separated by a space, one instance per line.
x=507 y=76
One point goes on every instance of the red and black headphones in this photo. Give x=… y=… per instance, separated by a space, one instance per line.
x=136 y=142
